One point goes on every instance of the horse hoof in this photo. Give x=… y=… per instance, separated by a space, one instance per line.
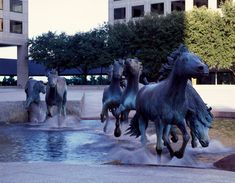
x=117 y=132
x=102 y=118
x=178 y=154
x=174 y=139
x=194 y=144
x=159 y=152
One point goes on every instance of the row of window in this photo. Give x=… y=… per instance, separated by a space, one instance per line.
x=138 y=11
x=15 y=26
x=15 y=6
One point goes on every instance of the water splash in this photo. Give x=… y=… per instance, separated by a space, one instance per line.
x=59 y=123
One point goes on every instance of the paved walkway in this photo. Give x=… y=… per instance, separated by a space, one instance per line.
x=70 y=173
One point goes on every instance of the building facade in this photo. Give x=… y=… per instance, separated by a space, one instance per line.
x=124 y=10
x=14 y=32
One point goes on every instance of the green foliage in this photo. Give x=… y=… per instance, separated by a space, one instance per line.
x=150 y=39
x=10 y=81
x=208 y=33
x=212 y=36
x=51 y=50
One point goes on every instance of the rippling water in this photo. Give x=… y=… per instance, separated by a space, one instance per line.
x=86 y=143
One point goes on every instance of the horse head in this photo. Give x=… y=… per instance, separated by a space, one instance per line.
x=39 y=87
x=189 y=64
x=200 y=126
x=52 y=77
x=33 y=94
x=133 y=66
x=118 y=67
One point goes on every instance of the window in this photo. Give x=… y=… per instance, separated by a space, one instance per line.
x=138 y=11
x=16 y=27
x=219 y=2
x=16 y=6
x=1 y=4
x=157 y=8
x=178 y=6
x=200 y=3
x=119 y=13
x=1 y=25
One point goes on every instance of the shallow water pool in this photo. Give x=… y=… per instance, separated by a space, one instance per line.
x=87 y=144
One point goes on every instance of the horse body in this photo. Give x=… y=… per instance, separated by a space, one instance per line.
x=165 y=103
x=56 y=94
x=133 y=70
x=112 y=94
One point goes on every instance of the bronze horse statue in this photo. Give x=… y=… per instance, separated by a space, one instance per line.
x=133 y=69
x=56 y=93
x=199 y=117
x=165 y=103
x=33 y=88
x=112 y=94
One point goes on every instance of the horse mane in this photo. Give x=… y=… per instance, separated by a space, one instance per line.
x=199 y=109
x=171 y=59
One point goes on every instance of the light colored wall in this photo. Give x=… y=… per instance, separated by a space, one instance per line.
x=19 y=40
x=147 y=4
x=11 y=38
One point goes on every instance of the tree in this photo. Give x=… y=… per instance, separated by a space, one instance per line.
x=150 y=39
x=228 y=9
x=89 y=50
x=51 y=50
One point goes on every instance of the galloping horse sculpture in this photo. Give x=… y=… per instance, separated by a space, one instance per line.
x=33 y=88
x=199 y=117
x=112 y=94
x=56 y=93
x=165 y=103
x=133 y=69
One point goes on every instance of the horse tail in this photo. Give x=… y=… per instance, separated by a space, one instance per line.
x=133 y=129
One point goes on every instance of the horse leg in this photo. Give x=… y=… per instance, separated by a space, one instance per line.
x=174 y=136
x=159 y=133
x=104 y=112
x=64 y=104
x=125 y=116
x=194 y=139
x=106 y=122
x=179 y=154
x=117 y=131
x=166 y=139
x=49 y=111
x=142 y=127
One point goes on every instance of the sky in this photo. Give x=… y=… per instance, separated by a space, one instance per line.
x=69 y=16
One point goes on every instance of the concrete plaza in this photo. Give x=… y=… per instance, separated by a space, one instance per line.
x=71 y=173
x=220 y=98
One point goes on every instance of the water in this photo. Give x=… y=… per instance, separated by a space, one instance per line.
x=85 y=143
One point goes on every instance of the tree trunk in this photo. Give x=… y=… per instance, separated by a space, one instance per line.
x=216 y=79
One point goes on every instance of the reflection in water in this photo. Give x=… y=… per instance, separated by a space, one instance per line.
x=88 y=144
x=56 y=146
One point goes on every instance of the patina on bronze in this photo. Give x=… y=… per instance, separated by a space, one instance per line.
x=56 y=93
x=165 y=103
x=33 y=88
x=112 y=94
x=133 y=69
